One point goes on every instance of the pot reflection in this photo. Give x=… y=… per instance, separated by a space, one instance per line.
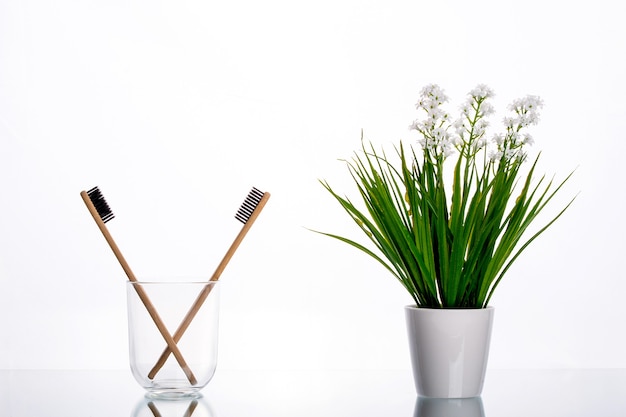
x=449 y=407
x=180 y=407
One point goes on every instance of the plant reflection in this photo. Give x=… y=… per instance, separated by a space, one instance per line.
x=449 y=407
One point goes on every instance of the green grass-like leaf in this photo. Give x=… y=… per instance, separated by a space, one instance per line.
x=446 y=252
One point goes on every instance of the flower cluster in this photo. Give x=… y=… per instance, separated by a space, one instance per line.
x=511 y=144
x=467 y=134
x=472 y=125
x=435 y=136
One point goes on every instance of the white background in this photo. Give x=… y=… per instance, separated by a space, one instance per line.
x=175 y=109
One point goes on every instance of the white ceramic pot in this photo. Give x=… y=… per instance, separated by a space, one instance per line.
x=449 y=350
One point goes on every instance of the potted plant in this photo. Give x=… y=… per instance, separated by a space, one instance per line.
x=448 y=220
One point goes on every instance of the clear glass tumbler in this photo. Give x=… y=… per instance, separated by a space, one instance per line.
x=187 y=315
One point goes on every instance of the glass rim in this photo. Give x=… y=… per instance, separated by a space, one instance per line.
x=171 y=282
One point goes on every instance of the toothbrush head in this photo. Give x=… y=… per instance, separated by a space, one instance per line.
x=100 y=204
x=249 y=205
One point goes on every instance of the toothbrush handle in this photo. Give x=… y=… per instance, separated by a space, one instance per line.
x=140 y=291
x=207 y=290
x=182 y=328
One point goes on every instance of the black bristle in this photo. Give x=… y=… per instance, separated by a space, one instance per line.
x=249 y=205
x=98 y=201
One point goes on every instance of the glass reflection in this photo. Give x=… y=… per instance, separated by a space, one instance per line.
x=180 y=407
x=449 y=407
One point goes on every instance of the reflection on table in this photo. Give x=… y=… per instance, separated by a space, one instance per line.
x=456 y=407
x=181 y=407
x=510 y=393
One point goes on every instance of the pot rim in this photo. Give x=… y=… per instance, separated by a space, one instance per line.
x=415 y=307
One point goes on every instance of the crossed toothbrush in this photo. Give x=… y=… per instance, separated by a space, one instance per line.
x=247 y=214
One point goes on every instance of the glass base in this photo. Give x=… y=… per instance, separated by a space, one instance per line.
x=172 y=392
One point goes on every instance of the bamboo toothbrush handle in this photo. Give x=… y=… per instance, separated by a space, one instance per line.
x=140 y=291
x=165 y=333
x=182 y=328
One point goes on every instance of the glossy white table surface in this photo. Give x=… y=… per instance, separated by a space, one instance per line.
x=507 y=393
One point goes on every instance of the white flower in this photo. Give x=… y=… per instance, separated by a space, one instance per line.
x=480 y=127
x=510 y=122
x=436 y=139
x=533 y=103
x=459 y=127
x=435 y=93
x=529 y=118
x=481 y=91
x=487 y=109
x=510 y=153
x=527 y=108
x=498 y=138
x=435 y=113
x=448 y=151
x=439 y=133
x=528 y=139
x=466 y=108
x=429 y=124
x=479 y=143
x=495 y=156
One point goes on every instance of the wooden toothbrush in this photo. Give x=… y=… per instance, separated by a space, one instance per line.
x=101 y=213
x=247 y=214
